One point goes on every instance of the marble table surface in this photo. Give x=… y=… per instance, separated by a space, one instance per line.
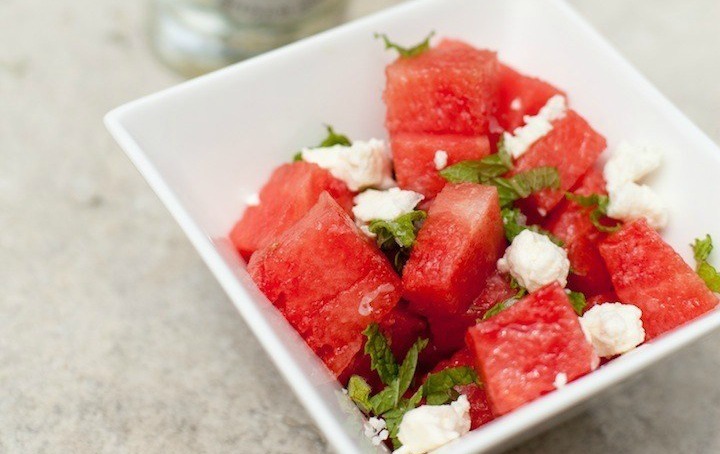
x=115 y=338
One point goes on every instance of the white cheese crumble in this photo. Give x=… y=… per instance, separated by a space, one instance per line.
x=634 y=201
x=428 y=427
x=613 y=328
x=536 y=127
x=535 y=261
x=361 y=165
x=516 y=104
x=440 y=160
x=252 y=200
x=386 y=205
x=376 y=430
x=561 y=380
x=628 y=199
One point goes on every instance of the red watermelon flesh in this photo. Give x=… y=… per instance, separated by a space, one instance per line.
x=609 y=297
x=520 y=95
x=649 y=274
x=448 y=333
x=571 y=223
x=329 y=282
x=520 y=351
x=402 y=328
x=449 y=89
x=414 y=154
x=455 y=251
x=480 y=412
x=572 y=147
x=289 y=194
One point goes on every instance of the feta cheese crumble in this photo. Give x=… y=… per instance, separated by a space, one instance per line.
x=428 y=427
x=376 y=430
x=361 y=165
x=440 y=160
x=535 y=261
x=561 y=380
x=516 y=104
x=628 y=199
x=536 y=127
x=613 y=328
x=634 y=201
x=252 y=200
x=386 y=205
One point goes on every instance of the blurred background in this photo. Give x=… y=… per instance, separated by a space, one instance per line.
x=114 y=337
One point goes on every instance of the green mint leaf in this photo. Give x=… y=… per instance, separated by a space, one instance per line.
x=523 y=184
x=359 y=391
x=381 y=357
x=334 y=138
x=298 y=157
x=496 y=309
x=710 y=275
x=438 y=388
x=600 y=202
x=406 y=52
x=514 y=223
x=479 y=171
x=702 y=248
x=385 y=400
x=578 y=301
x=394 y=417
x=409 y=364
x=400 y=230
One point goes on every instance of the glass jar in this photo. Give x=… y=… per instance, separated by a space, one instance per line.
x=197 y=36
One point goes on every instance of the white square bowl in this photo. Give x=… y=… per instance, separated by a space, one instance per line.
x=206 y=144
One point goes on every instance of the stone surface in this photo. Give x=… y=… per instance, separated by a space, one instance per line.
x=114 y=337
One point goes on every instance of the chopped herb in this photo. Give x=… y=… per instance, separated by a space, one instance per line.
x=600 y=202
x=439 y=387
x=702 y=249
x=515 y=222
x=388 y=403
x=578 y=301
x=397 y=237
x=479 y=171
x=331 y=140
x=502 y=305
x=523 y=184
x=406 y=52
x=381 y=357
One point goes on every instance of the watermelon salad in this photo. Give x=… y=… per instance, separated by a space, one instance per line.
x=479 y=259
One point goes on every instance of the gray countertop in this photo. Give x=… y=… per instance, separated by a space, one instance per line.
x=114 y=337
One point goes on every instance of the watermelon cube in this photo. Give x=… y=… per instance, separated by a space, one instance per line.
x=649 y=274
x=571 y=223
x=520 y=95
x=572 y=147
x=290 y=193
x=455 y=251
x=480 y=412
x=414 y=155
x=520 y=351
x=449 y=89
x=328 y=281
x=402 y=328
x=448 y=333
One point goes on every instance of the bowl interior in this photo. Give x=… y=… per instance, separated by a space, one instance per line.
x=207 y=144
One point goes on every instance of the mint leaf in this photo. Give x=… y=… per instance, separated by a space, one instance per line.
x=406 y=52
x=386 y=399
x=578 y=301
x=479 y=171
x=359 y=392
x=514 y=223
x=702 y=249
x=496 y=309
x=381 y=357
x=332 y=139
x=409 y=364
x=523 y=184
x=394 y=417
x=400 y=230
x=439 y=387
x=600 y=202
